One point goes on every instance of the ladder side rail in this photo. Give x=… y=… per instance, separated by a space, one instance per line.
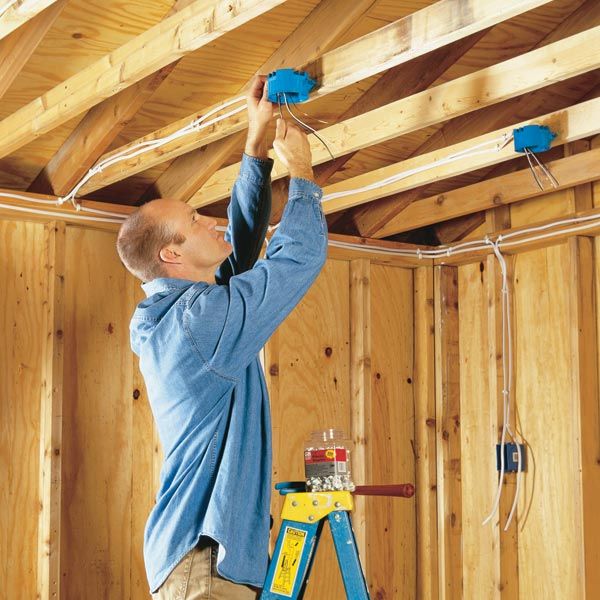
x=347 y=555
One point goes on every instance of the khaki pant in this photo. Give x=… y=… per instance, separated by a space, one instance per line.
x=196 y=578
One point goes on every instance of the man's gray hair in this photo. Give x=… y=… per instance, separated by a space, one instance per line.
x=140 y=240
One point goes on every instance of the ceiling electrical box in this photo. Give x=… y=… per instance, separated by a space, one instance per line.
x=537 y=138
x=295 y=86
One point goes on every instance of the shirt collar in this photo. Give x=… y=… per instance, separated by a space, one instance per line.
x=164 y=284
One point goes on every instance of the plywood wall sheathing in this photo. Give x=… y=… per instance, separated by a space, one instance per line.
x=23 y=282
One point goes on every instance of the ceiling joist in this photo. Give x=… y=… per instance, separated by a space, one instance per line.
x=395 y=84
x=421 y=32
x=198 y=24
x=538 y=68
x=98 y=129
x=574 y=123
x=315 y=35
x=492 y=193
x=19 y=12
x=369 y=219
x=16 y=50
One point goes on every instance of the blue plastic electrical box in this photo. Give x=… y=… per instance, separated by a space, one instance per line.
x=296 y=85
x=537 y=138
x=511 y=458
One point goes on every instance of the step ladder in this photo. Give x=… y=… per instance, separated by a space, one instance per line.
x=303 y=517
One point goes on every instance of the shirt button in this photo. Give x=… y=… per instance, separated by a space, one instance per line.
x=316 y=195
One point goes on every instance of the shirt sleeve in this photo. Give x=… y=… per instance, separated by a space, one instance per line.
x=248 y=212
x=229 y=324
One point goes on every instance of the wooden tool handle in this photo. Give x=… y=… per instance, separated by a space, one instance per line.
x=401 y=490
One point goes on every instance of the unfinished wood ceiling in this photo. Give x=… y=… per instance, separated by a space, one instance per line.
x=81 y=79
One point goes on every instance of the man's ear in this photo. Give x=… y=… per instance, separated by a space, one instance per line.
x=169 y=255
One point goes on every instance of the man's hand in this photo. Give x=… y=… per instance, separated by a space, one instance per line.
x=293 y=150
x=260 y=113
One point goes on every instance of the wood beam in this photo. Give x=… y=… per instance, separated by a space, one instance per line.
x=380 y=251
x=316 y=34
x=360 y=389
x=17 y=15
x=97 y=130
x=424 y=31
x=576 y=122
x=536 y=69
x=579 y=198
x=457 y=229
x=48 y=572
x=583 y=324
x=448 y=432
x=425 y=435
x=198 y=24
x=508 y=568
x=401 y=82
x=16 y=50
x=490 y=193
x=368 y=222
x=397 y=83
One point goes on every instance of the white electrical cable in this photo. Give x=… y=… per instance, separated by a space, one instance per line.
x=505 y=391
x=303 y=124
x=79 y=208
x=510 y=383
x=507 y=371
x=52 y=213
x=145 y=146
x=496 y=146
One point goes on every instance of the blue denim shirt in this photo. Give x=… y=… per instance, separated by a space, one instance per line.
x=198 y=346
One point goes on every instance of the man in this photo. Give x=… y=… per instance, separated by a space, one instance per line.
x=198 y=335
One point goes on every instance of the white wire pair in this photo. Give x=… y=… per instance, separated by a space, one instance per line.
x=494 y=145
x=507 y=374
x=119 y=218
x=148 y=145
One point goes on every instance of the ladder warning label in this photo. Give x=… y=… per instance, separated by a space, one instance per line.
x=288 y=561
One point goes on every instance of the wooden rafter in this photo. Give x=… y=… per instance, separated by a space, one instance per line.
x=423 y=31
x=97 y=130
x=574 y=123
x=20 y=13
x=16 y=50
x=514 y=77
x=316 y=34
x=491 y=193
x=196 y=25
x=400 y=82
x=369 y=221
x=460 y=227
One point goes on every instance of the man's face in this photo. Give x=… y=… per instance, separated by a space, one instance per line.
x=204 y=247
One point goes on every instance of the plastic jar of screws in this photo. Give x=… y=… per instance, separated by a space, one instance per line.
x=327 y=461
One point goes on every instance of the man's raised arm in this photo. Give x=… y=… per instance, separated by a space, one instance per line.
x=250 y=205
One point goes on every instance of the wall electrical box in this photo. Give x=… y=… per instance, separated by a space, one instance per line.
x=511 y=458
